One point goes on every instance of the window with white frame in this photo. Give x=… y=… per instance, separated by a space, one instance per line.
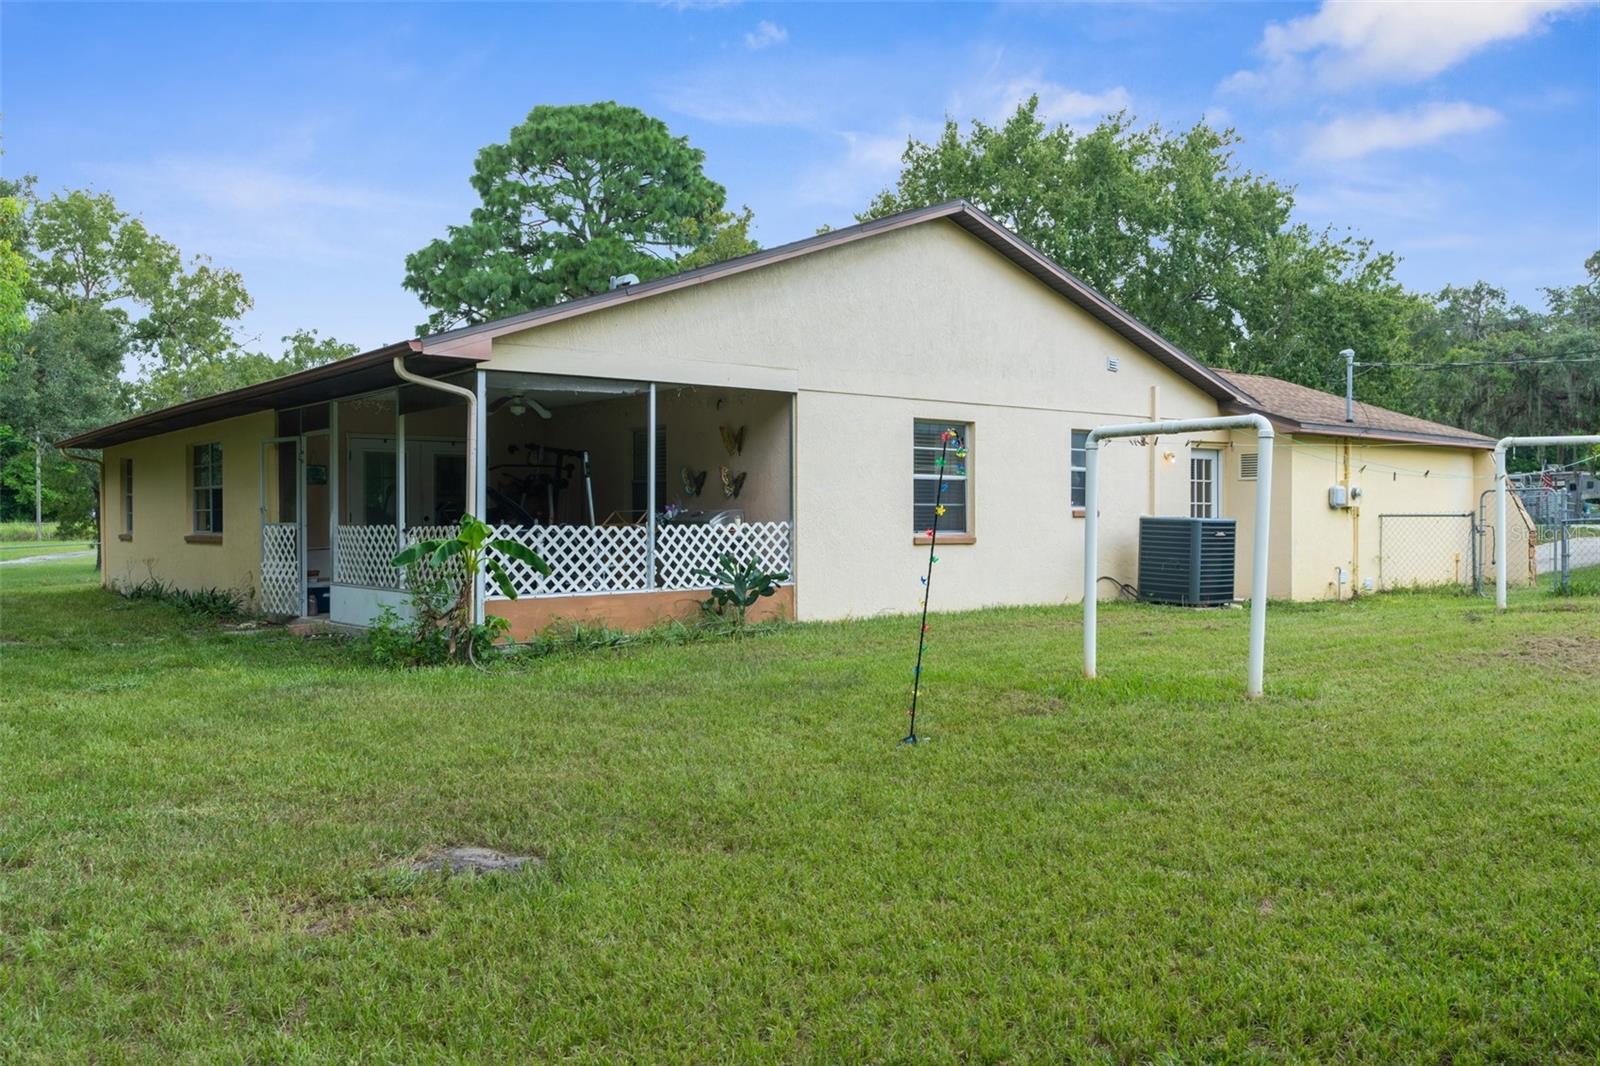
x=208 y=488
x=1203 y=494
x=1080 y=466
x=127 y=497
x=933 y=483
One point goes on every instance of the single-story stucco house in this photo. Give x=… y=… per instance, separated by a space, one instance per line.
x=787 y=405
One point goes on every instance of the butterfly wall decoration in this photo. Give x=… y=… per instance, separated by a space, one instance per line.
x=733 y=440
x=693 y=484
x=732 y=486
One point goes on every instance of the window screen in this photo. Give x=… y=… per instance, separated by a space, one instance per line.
x=1080 y=462
x=641 y=459
x=127 y=496
x=925 y=478
x=208 y=488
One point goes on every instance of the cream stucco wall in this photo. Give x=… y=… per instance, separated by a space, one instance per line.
x=1311 y=541
x=163 y=508
x=925 y=322
x=920 y=323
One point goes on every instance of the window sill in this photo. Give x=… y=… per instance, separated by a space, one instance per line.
x=203 y=538
x=945 y=538
x=124 y=536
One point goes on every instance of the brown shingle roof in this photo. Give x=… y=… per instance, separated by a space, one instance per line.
x=1306 y=410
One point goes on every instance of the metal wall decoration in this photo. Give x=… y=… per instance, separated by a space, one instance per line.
x=732 y=485
x=732 y=439
x=950 y=444
x=693 y=484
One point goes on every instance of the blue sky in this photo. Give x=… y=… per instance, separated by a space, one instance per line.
x=311 y=147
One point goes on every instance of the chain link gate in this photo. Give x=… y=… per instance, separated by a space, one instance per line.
x=1563 y=538
x=1575 y=547
x=1428 y=550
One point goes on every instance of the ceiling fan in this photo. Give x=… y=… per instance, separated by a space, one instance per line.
x=519 y=404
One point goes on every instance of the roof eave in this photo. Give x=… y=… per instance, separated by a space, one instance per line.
x=249 y=399
x=1345 y=429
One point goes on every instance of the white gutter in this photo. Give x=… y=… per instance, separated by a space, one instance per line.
x=472 y=445
x=1500 y=537
x=1091 y=540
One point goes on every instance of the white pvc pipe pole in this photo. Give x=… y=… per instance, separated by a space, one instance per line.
x=1500 y=538
x=1091 y=531
x=473 y=430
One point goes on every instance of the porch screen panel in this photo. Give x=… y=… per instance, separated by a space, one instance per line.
x=925 y=479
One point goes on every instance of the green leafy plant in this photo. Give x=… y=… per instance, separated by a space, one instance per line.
x=739 y=585
x=211 y=602
x=451 y=617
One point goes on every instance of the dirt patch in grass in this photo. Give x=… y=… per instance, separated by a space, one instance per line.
x=1028 y=704
x=1577 y=653
x=471 y=860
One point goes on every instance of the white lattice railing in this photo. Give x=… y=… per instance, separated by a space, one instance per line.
x=362 y=554
x=280 y=568
x=584 y=560
x=683 y=550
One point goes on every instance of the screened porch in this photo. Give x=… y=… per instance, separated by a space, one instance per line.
x=564 y=465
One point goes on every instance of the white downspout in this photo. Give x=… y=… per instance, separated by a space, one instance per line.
x=471 y=397
x=1091 y=530
x=1500 y=537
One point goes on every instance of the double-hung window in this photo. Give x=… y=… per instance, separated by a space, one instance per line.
x=127 y=497
x=1080 y=466
x=208 y=488
x=927 y=475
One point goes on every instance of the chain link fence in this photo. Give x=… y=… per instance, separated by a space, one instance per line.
x=1428 y=550
x=1569 y=561
x=1565 y=540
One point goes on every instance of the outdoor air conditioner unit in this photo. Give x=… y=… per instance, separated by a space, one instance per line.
x=1187 y=560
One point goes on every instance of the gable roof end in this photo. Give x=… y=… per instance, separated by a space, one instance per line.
x=476 y=339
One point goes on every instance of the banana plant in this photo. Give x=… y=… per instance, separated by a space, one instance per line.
x=740 y=585
x=471 y=545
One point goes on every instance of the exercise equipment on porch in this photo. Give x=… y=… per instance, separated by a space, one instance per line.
x=544 y=474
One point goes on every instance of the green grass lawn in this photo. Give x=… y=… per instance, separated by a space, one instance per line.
x=1394 y=856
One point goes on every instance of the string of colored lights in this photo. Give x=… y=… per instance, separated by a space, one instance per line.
x=949 y=443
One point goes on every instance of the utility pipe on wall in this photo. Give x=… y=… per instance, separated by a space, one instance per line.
x=1091 y=531
x=1349 y=384
x=1500 y=537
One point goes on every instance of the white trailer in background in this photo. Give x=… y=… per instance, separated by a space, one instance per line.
x=1500 y=537
x=1258 y=571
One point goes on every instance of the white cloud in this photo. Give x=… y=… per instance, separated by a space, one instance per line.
x=995 y=101
x=765 y=35
x=253 y=189
x=1354 y=136
x=1347 y=44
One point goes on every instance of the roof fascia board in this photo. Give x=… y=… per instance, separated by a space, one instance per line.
x=1326 y=429
x=260 y=394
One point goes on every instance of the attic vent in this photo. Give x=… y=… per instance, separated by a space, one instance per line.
x=1113 y=363
x=1249 y=462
